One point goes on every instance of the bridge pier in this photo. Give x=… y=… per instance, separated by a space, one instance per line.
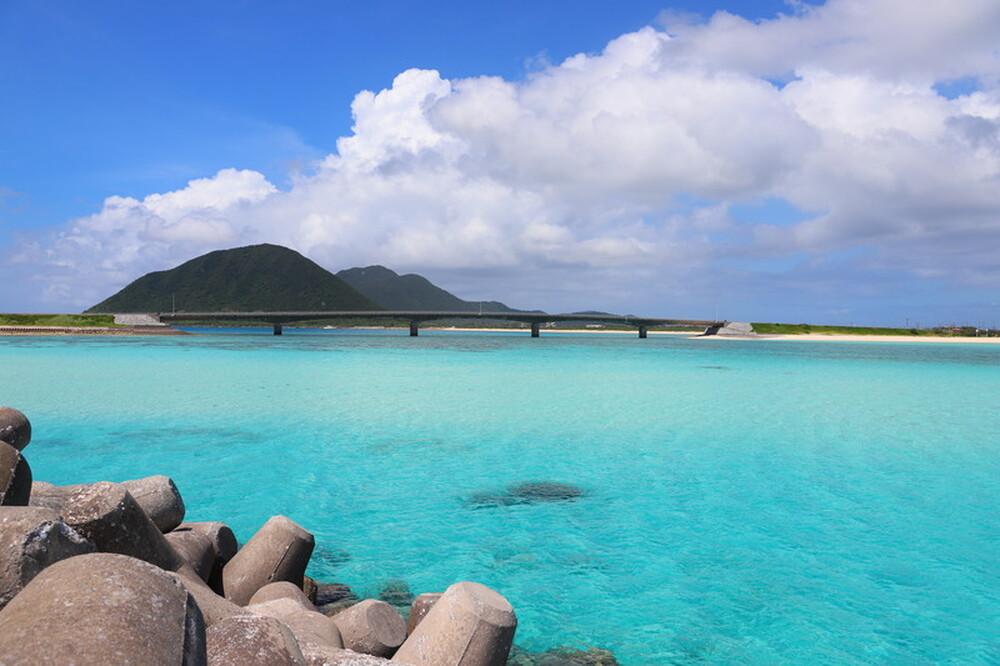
x=413 y=328
x=277 y=329
x=642 y=331
x=535 y=328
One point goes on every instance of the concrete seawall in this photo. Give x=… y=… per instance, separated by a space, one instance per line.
x=138 y=320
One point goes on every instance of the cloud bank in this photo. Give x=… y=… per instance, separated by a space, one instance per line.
x=821 y=152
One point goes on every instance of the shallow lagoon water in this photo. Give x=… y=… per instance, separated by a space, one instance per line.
x=753 y=502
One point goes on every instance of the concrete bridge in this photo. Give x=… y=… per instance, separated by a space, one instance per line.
x=536 y=319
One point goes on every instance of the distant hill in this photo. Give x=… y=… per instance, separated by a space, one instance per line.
x=258 y=277
x=411 y=292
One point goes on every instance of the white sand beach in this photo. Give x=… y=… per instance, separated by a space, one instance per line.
x=822 y=337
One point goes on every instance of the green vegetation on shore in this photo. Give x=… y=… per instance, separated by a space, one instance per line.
x=802 y=329
x=74 y=320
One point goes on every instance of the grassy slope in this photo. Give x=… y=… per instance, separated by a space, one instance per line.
x=56 y=320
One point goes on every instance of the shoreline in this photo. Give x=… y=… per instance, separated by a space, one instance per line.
x=800 y=337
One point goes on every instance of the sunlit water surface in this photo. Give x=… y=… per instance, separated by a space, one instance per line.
x=744 y=502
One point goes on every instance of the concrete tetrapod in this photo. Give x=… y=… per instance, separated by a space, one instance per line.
x=314 y=627
x=249 y=640
x=102 y=608
x=49 y=496
x=224 y=546
x=308 y=626
x=213 y=607
x=371 y=627
x=15 y=429
x=280 y=550
x=419 y=608
x=286 y=602
x=106 y=514
x=470 y=625
x=15 y=477
x=195 y=548
x=322 y=655
x=278 y=608
x=282 y=590
x=222 y=537
x=159 y=498
x=31 y=539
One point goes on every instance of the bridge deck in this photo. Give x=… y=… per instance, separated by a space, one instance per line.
x=415 y=318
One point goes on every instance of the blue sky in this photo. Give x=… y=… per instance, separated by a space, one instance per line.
x=114 y=98
x=491 y=157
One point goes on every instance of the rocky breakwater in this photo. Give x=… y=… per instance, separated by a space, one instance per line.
x=107 y=573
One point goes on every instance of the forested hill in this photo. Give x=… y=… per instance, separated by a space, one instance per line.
x=411 y=292
x=253 y=278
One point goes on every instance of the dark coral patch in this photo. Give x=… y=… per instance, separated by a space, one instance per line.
x=545 y=491
x=396 y=592
x=562 y=656
x=331 y=557
x=534 y=492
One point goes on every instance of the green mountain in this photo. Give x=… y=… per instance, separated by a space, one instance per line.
x=411 y=293
x=245 y=279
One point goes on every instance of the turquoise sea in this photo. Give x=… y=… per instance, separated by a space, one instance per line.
x=755 y=502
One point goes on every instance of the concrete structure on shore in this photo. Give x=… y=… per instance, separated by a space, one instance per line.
x=732 y=329
x=137 y=320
